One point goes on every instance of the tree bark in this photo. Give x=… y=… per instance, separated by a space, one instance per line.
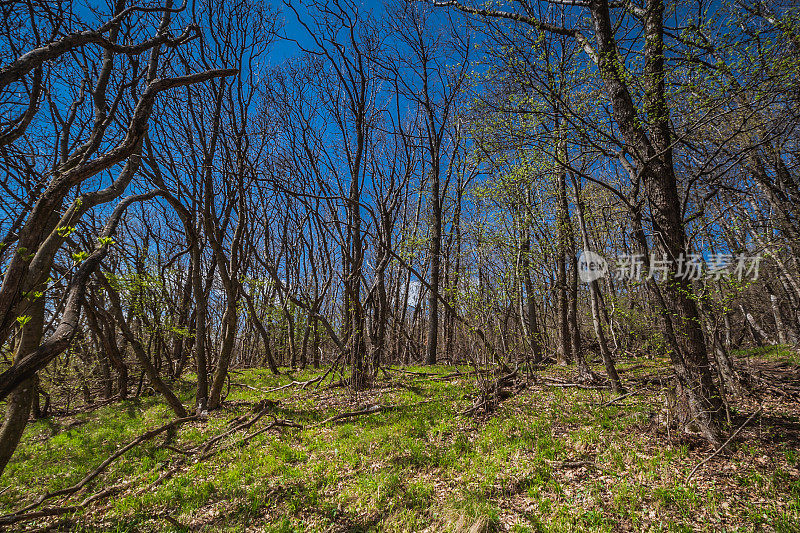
x=534 y=335
x=562 y=221
x=653 y=156
x=776 y=313
x=594 y=294
x=19 y=403
x=144 y=361
x=435 y=259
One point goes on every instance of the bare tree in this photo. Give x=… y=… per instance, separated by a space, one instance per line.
x=80 y=153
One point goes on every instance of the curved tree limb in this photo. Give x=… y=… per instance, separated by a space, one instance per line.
x=60 y=339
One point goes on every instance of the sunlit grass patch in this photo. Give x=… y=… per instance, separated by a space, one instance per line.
x=548 y=459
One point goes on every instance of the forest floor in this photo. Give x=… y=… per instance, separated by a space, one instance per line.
x=550 y=458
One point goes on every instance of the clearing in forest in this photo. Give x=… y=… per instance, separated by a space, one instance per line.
x=550 y=458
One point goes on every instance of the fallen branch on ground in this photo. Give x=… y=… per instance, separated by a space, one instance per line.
x=733 y=435
x=26 y=514
x=576 y=386
x=413 y=372
x=495 y=391
x=301 y=384
x=368 y=411
x=621 y=397
x=454 y=375
x=202 y=452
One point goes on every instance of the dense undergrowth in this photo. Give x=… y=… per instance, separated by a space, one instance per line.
x=549 y=459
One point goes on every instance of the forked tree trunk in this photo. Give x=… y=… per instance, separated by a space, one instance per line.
x=567 y=252
x=652 y=152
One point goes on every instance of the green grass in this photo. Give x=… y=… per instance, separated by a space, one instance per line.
x=547 y=460
x=778 y=353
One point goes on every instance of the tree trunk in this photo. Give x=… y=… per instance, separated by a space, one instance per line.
x=268 y=358
x=584 y=371
x=653 y=157
x=776 y=313
x=19 y=403
x=594 y=293
x=201 y=309
x=562 y=220
x=435 y=259
x=534 y=336
x=760 y=336
x=229 y=327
